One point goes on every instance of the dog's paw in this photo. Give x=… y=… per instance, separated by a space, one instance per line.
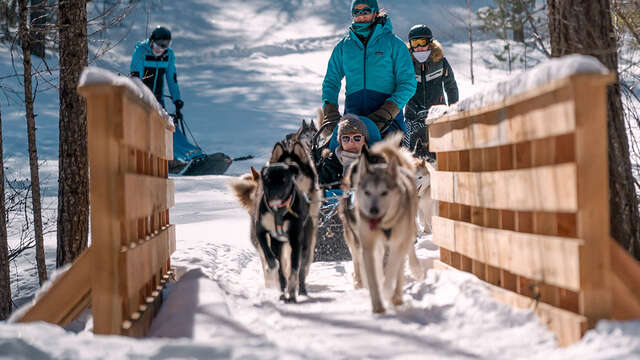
x=396 y=300
x=291 y=300
x=378 y=309
x=303 y=291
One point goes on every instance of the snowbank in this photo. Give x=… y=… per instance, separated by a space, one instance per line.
x=549 y=70
x=97 y=76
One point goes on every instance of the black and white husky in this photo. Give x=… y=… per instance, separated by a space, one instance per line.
x=283 y=201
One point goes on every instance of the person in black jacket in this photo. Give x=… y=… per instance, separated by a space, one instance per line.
x=352 y=136
x=433 y=73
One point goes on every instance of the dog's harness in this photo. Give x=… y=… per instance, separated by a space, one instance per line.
x=281 y=210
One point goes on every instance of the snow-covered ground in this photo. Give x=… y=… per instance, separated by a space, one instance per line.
x=249 y=72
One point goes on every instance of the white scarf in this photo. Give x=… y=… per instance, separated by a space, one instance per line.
x=422 y=56
x=346 y=158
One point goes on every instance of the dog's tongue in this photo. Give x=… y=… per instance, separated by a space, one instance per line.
x=373 y=223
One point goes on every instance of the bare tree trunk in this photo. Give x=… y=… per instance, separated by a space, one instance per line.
x=38 y=17
x=585 y=27
x=5 y=285
x=73 y=180
x=33 y=151
x=470 y=41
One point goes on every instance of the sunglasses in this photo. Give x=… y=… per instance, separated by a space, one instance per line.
x=419 y=42
x=163 y=44
x=354 y=138
x=360 y=12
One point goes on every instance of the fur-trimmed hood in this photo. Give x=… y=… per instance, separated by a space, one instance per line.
x=436 y=52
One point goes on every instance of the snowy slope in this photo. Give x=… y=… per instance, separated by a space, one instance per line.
x=249 y=72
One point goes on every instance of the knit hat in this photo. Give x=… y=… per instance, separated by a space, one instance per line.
x=351 y=123
x=373 y=4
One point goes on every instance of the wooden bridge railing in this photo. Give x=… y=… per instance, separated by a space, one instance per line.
x=522 y=203
x=123 y=272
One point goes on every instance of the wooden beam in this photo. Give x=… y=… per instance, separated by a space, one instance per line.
x=146 y=195
x=547 y=115
x=549 y=259
x=590 y=102
x=547 y=188
x=105 y=117
x=567 y=326
x=67 y=297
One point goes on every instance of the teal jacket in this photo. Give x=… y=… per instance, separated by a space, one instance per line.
x=376 y=72
x=152 y=70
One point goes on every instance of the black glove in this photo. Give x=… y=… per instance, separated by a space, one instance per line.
x=179 y=104
x=331 y=115
x=386 y=112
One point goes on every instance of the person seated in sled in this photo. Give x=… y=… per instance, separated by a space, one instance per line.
x=377 y=66
x=153 y=61
x=433 y=73
x=352 y=136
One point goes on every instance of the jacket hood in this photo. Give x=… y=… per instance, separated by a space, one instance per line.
x=437 y=53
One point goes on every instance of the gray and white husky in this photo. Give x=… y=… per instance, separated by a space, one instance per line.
x=379 y=220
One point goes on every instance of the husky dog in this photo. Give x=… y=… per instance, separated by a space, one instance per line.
x=424 y=169
x=283 y=201
x=379 y=220
x=304 y=135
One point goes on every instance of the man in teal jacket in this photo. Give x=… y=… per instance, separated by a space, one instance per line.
x=153 y=61
x=378 y=69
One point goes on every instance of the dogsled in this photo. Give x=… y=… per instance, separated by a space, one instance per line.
x=188 y=157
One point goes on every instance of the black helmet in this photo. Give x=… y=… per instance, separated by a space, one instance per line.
x=420 y=32
x=160 y=33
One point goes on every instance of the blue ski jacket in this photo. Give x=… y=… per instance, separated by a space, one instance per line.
x=152 y=70
x=377 y=71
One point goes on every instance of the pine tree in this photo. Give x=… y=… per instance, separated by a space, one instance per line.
x=31 y=135
x=73 y=178
x=5 y=285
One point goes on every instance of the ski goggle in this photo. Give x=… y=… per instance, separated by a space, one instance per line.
x=163 y=44
x=360 y=12
x=355 y=138
x=419 y=42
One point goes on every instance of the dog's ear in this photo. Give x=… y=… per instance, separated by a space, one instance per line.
x=255 y=174
x=304 y=124
x=392 y=168
x=313 y=127
x=277 y=152
x=431 y=167
x=300 y=152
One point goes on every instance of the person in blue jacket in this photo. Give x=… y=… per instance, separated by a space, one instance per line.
x=379 y=73
x=153 y=61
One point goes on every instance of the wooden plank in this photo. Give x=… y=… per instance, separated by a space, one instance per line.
x=593 y=198
x=625 y=304
x=69 y=295
x=546 y=115
x=147 y=259
x=550 y=259
x=144 y=130
x=104 y=116
x=147 y=195
x=547 y=188
x=567 y=326
x=626 y=268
